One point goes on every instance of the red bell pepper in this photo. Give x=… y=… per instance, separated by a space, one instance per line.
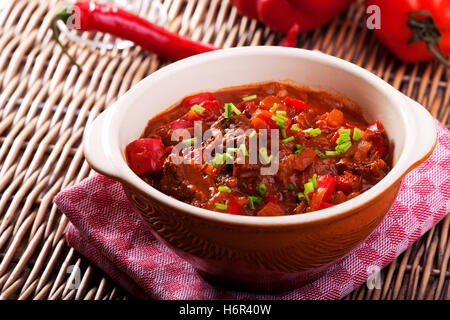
x=197 y=99
x=326 y=182
x=281 y=15
x=291 y=37
x=233 y=206
x=297 y=104
x=145 y=155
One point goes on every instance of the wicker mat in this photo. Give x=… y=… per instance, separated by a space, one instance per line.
x=45 y=104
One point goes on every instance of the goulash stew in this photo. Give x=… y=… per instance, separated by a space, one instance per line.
x=269 y=149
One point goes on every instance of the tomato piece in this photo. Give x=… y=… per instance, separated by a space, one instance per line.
x=326 y=182
x=335 y=118
x=181 y=124
x=145 y=155
x=297 y=104
x=271 y=198
x=233 y=206
x=324 y=205
x=262 y=119
x=197 y=99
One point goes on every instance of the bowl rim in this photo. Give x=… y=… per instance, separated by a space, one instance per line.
x=111 y=123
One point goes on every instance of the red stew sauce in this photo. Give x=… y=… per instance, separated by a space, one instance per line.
x=327 y=152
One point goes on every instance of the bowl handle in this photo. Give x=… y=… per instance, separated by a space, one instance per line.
x=96 y=148
x=425 y=136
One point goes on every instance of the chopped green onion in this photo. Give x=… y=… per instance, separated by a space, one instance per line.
x=197 y=108
x=331 y=153
x=320 y=154
x=298 y=148
x=249 y=98
x=283 y=133
x=281 y=112
x=313 y=132
x=234 y=109
x=281 y=118
x=220 y=206
x=301 y=196
x=251 y=135
x=356 y=134
x=252 y=200
x=232 y=150
x=224 y=189
x=343 y=147
x=219 y=159
x=274 y=107
x=243 y=148
x=294 y=127
x=262 y=189
x=314 y=180
x=227 y=110
x=290 y=186
x=309 y=187
x=189 y=142
x=344 y=136
x=280 y=124
x=288 y=140
x=264 y=155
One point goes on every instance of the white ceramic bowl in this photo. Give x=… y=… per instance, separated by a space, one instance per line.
x=409 y=126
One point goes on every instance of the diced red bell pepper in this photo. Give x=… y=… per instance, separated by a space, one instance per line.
x=375 y=126
x=377 y=138
x=181 y=124
x=299 y=105
x=233 y=206
x=344 y=183
x=262 y=119
x=246 y=105
x=145 y=155
x=197 y=99
x=270 y=198
x=211 y=112
x=324 y=205
x=326 y=182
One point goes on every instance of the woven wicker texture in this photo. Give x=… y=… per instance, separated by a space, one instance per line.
x=45 y=104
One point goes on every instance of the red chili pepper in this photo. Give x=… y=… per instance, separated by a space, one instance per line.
x=414 y=30
x=93 y=16
x=281 y=15
x=375 y=126
x=299 y=105
x=291 y=38
x=145 y=155
x=326 y=182
x=233 y=206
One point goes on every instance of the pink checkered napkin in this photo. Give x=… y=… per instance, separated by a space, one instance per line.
x=110 y=233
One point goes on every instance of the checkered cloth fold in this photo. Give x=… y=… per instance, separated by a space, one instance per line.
x=106 y=230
